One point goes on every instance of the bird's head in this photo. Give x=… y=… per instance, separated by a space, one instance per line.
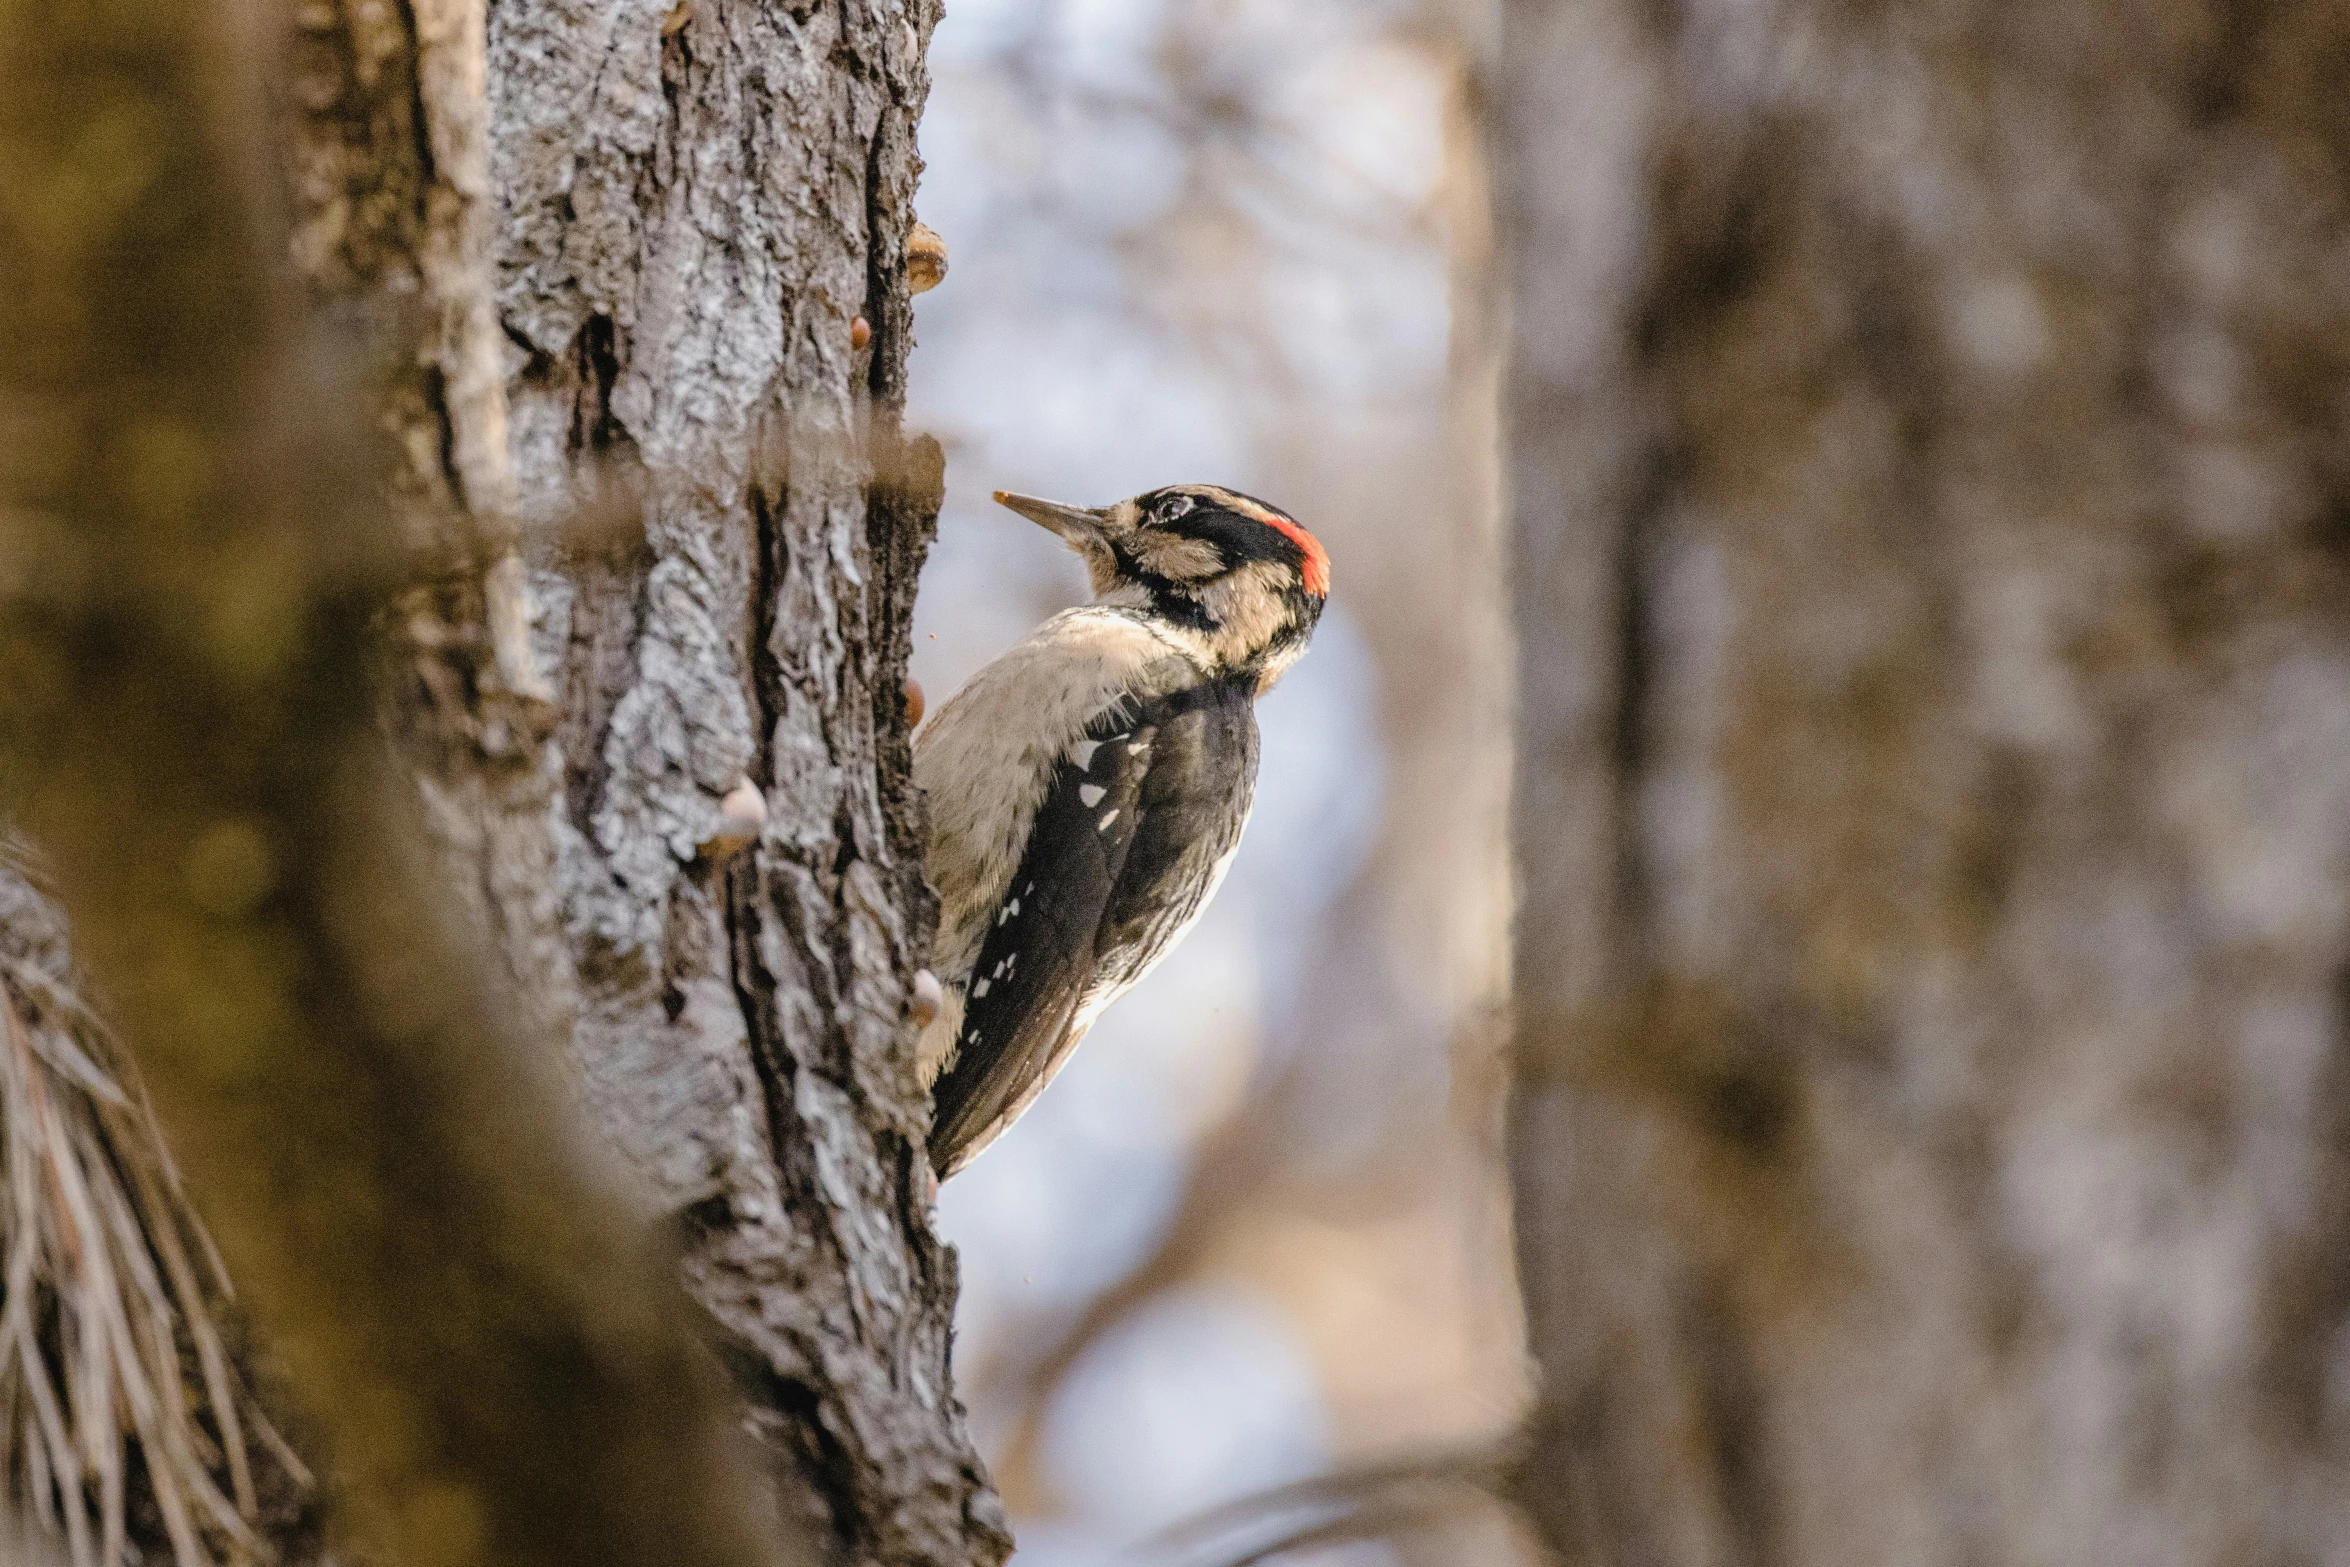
x=1241 y=581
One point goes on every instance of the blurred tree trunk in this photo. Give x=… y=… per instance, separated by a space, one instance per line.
x=1932 y=515
x=606 y=261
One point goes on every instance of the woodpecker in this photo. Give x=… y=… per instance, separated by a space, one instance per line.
x=1087 y=790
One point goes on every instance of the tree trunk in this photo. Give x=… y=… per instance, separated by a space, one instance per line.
x=189 y=728
x=695 y=211
x=674 y=220
x=1934 y=792
x=631 y=281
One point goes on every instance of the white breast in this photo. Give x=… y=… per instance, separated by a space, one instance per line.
x=987 y=759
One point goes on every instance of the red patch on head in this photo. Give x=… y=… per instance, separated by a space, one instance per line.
x=1316 y=569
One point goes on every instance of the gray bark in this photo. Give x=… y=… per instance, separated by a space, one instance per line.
x=692 y=214
x=674 y=217
x=1934 y=796
x=605 y=262
x=190 y=572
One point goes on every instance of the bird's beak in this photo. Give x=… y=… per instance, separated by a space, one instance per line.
x=1079 y=525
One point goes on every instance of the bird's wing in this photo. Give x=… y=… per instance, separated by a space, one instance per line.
x=1137 y=826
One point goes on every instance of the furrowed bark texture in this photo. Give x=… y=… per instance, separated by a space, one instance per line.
x=189 y=573
x=659 y=225
x=694 y=208
x=1933 y=528
x=652 y=229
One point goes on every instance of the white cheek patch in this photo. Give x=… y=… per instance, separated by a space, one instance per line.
x=1184 y=560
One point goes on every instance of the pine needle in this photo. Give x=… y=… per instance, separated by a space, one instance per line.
x=114 y=1379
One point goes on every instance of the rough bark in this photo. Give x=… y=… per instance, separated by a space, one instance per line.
x=662 y=224
x=1927 y=452
x=605 y=262
x=189 y=730
x=695 y=208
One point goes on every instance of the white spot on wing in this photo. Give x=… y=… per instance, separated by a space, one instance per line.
x=1082 y=752
x=1091 y=794
x=1107 y=818
x=980 y=989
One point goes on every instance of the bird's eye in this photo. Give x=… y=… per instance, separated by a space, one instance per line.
x=1173 y=507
